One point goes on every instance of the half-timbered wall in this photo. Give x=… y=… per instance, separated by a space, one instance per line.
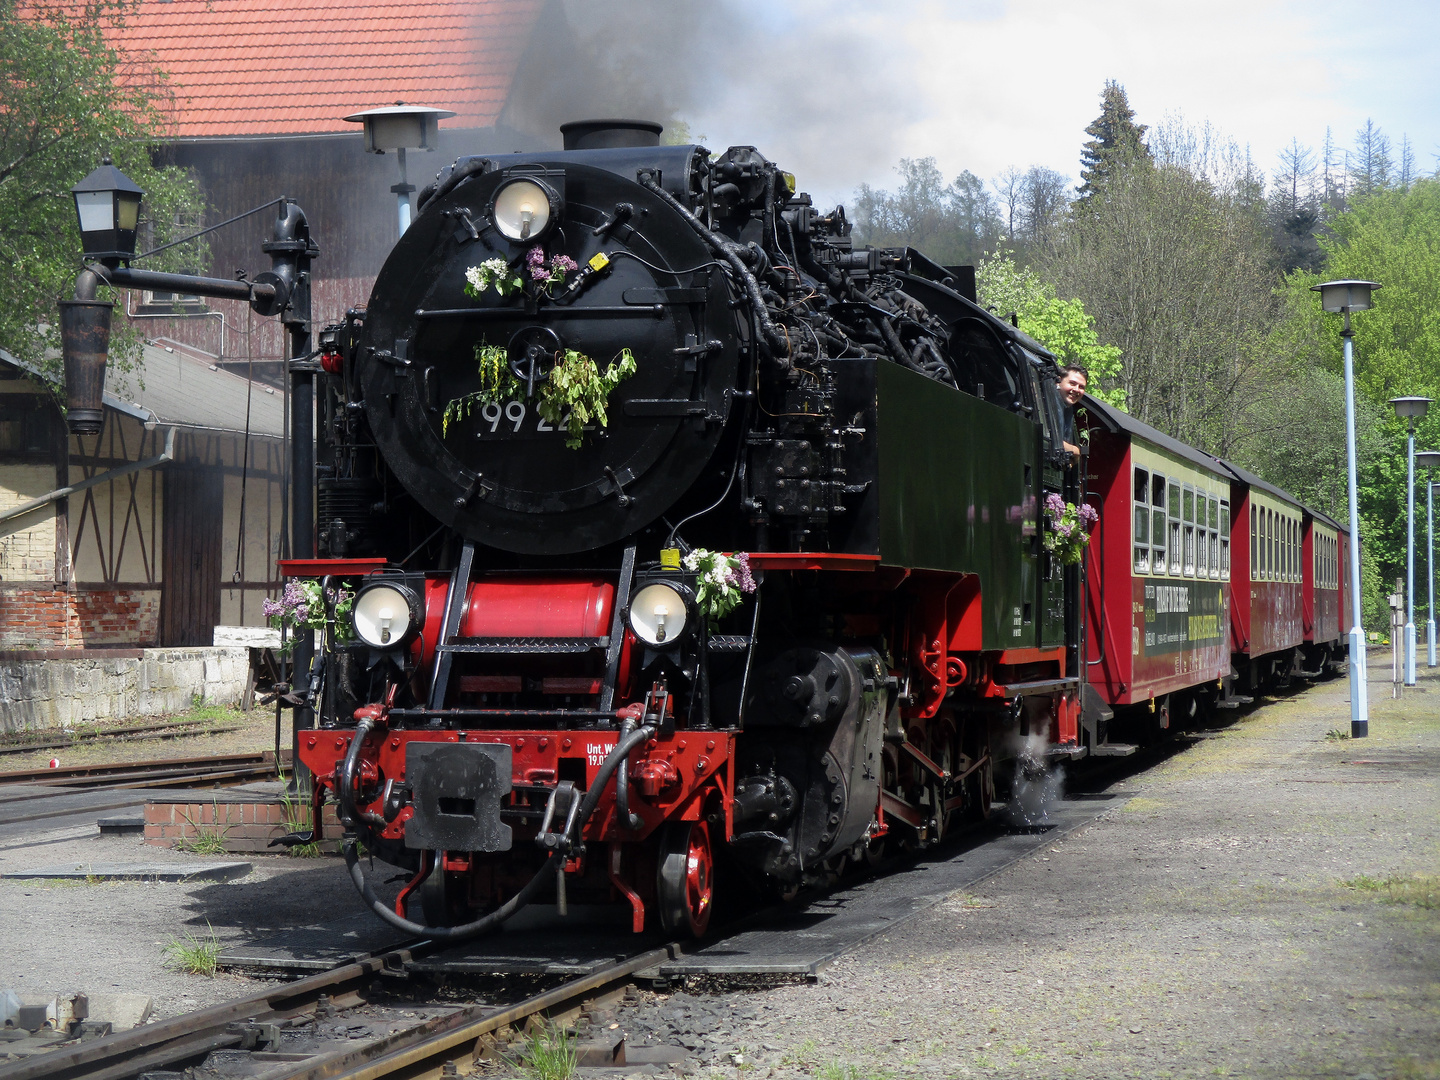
x=94 y=569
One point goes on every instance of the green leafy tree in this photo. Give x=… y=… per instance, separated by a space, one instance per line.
x=1062 y=326
x=1116 y=141
x=1389 y=235
x=67 y=99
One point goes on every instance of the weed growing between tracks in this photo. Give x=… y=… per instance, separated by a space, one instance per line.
x=194 y=955
x=549 y=1054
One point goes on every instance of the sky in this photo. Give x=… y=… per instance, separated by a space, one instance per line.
x=838 y=91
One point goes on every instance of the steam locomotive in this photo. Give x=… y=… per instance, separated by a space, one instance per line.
x=663 y=528
x=671 y=540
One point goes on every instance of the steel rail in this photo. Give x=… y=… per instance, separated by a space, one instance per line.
x=119 y=769
x=180 y=1038
x=190 y=1036
x=425 y=1048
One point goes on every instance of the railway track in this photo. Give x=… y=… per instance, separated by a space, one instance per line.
x=259 y=1023
x=28 y=796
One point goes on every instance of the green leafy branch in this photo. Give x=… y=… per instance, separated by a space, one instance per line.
x=577 y=386
x=497 y=383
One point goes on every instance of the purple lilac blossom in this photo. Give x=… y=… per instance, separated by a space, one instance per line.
x=747 y=580
x=564 y=262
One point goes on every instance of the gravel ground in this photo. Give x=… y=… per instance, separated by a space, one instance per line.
x=1198 y=928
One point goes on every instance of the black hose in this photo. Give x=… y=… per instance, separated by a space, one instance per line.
x=612 y=761
x=345 y=783
x=730 y=251
x=438 y=188
x=622 y=785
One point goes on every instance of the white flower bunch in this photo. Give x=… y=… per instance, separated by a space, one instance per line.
x=496 y=272
x=721 y=580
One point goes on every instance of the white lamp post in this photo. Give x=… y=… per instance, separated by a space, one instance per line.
x=1410 y=409
x=401 y=127
x=1345 y=297
x=1429 y=459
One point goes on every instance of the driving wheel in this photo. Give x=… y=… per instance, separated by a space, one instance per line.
x=685 y=883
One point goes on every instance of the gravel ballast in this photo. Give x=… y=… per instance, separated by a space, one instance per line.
x=1229 y=917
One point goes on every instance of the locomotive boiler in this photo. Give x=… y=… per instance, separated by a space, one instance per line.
x=669 y=540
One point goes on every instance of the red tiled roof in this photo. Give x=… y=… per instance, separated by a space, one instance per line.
x=284 y=67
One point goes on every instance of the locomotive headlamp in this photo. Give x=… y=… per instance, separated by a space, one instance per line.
x=524 y=209
x=659 y=614
x=387 y=615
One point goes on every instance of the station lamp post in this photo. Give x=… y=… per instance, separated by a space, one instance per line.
x=1345 y=297
x=107 y=203
x=1410 y=409
x=401 y=127
x=1429 y=459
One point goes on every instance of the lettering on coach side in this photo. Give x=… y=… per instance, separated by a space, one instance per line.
x=1171 y=599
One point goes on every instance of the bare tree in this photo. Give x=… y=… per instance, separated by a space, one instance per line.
x=1173 y=261
x=1370 y=165
x=1010 y=186
x=1044 y=200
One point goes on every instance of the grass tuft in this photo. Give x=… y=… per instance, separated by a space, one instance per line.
x=194 y=955
x=297 y=819
x=549 y=1053
x=1419 y=890
x=1336 y=734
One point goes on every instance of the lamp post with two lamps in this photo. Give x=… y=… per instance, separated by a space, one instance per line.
x=1410 y=409
x=1429 y=459
x=1345 y=297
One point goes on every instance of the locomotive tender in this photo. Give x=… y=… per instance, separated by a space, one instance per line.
x=663 y=529
x=542 y=697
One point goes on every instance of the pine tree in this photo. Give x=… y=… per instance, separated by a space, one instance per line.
x=1115 y=139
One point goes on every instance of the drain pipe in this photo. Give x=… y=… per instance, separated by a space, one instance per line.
x=168 y=454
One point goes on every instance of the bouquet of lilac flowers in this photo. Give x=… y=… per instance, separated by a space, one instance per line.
x=721 y=580
x=1067 y=528
x=551 y=273
x=494 y=272
x=301 y=607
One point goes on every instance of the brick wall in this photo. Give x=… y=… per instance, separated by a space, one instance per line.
x=47 y=617
x=242 y=826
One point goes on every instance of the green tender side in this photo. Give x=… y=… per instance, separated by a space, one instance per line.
x=958 y=485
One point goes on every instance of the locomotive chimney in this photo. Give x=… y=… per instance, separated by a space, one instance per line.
x=608 y=134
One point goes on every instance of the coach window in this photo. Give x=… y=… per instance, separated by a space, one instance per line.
x=1157 y=523
x=1224 y=539
x=1187 y=514
x=1254 y=545
x=1266 y=551
x=1202 y=549
x=1141 y=539
x=1292 y=549
x=1176 y=543
x=1214 y=521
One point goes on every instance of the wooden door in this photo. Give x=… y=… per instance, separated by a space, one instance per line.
x=190 y=596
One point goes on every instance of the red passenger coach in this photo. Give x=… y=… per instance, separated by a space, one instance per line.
x=1322 y=611
x=1157 y=581
x=1266 y=610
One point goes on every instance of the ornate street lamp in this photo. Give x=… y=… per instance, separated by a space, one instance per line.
x=401 y=127
x=1429 y=459
x=1410 y=409
x=1345 y=297
x=108 y=205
